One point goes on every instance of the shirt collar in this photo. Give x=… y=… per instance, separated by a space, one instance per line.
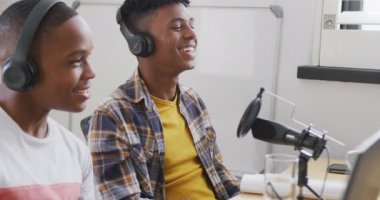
x=135 y=90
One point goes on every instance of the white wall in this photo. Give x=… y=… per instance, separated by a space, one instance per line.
x=231 y=66
x=4 y=4
x=110 y=58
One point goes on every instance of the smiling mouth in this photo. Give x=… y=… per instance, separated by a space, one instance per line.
x=83 y=92
x=187 y=49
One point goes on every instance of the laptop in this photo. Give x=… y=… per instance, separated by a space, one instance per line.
x=364 y=182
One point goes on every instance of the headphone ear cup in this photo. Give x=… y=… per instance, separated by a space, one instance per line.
x=19 y=76
x=141 y=44
x=148 y=44
x=19 y=71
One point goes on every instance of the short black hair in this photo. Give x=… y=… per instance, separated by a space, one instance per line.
x=14 y=17
x=132 y=11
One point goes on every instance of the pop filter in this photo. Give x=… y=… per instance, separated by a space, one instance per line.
x=250 y=115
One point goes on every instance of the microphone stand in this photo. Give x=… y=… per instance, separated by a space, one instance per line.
x=302 y=175
x=303 y=160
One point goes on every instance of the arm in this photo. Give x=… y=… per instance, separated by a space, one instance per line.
x=87 y=187
x=229 y=181
x=200 y=123
x=113 y=168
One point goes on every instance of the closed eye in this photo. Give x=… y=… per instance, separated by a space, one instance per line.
x=192 y=25
x=177 y=28
x=77 y=62
x=78 y=57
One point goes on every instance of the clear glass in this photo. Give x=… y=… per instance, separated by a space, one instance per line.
x=360 y=5
x=365 y=11
x=281 y=172
x=371 y=6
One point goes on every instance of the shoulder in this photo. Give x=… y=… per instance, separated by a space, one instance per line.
x=114 y=101
x=187 y=90
x=67 y=138
x=190 y=96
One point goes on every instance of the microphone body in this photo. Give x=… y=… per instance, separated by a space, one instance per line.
x=276 y=133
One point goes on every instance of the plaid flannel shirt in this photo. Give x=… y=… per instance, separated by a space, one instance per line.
x=127 y=144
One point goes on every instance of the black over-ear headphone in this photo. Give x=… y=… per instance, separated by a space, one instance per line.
x=19 y=71
x=140 y=44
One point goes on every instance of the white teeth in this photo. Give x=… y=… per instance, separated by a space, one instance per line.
x=81 y=92
x=187 y=49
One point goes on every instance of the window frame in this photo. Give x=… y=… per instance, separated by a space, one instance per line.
x=324 y=62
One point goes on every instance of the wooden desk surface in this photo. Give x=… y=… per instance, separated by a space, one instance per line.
x=316 y=170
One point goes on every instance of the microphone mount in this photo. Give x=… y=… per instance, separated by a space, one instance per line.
x=318 y=146
x=303 y=159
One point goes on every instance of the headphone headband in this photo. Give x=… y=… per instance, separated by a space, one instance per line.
x=123 y=28
x=140 y=44
x=29 y=30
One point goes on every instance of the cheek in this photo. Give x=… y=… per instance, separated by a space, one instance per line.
x=72 y=78
x=166 y=41
x=64 y=79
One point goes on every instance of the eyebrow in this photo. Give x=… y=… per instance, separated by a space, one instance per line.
x=181 y=19
x=76 y=52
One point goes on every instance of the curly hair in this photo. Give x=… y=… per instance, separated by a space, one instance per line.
x=132 y=11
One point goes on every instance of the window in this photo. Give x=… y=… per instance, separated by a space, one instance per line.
x=348 y=41
x=359 y=14
x=354 y=48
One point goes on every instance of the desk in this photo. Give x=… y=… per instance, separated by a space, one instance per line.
x=316 y=170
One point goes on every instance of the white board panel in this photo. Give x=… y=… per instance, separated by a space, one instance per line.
x=111 y=59
x=236 y=56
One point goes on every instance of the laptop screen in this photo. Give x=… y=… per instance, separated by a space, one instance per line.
x=364 y=182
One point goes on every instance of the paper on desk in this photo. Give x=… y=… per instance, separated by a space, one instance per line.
x=254 y=183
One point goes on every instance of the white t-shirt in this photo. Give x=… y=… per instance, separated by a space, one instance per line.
x=55 y=167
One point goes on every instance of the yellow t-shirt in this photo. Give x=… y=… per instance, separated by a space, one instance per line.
x=185 y=178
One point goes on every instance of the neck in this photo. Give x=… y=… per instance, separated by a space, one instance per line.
x=163 y=89
x=160 y=85
x=31 y=120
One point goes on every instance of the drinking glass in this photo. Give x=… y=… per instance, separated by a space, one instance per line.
x=281 y=171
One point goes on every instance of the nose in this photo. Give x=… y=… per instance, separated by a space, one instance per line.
x=190 y=33
x=88 y=71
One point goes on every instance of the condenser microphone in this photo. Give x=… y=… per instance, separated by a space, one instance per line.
x=276 y=133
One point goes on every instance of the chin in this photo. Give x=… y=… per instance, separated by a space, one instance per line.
x=73 y=108
x=189 y=66
x=79 y=108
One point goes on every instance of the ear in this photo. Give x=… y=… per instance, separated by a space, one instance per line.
x=5 y=52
